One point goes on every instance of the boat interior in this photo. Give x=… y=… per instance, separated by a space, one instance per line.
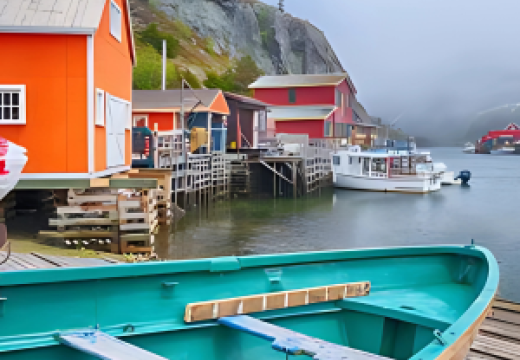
x=416 y=297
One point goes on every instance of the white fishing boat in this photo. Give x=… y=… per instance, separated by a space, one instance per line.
x=12 y=162
x=469 y=148
x=382 y=171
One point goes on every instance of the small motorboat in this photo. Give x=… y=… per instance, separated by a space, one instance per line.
x=370 y=304
x=12 y=162
x=469 y=148
x=383 y=170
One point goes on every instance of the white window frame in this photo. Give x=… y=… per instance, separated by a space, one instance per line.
x=117 y=35
x=22 y=107
x=100 y=121
x=139 y=117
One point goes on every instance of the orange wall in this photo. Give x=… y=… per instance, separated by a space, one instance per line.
x=113 y=74
x=164 y=121
x=53 y=69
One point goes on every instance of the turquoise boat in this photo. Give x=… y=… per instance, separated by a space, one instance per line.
x=416 y=303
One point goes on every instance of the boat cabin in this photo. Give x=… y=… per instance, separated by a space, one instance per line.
x=401 y=171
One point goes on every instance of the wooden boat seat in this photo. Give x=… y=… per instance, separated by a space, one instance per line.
x=215 y=309
x=294 y=343
x=432 y=306
x=104 y=346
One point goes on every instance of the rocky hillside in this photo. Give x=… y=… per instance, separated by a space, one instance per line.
x=223 y=30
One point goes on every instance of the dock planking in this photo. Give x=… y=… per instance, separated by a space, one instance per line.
x=499 y=335
x=34 y=260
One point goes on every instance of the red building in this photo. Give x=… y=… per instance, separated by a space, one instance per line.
x=319 y=105
x=495 y=139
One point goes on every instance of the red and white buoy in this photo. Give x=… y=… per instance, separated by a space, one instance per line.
x=12 y=162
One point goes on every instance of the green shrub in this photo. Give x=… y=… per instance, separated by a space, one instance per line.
x=148 y=70
x=154 y=37
x=237 y=78
x=191 y=79
x=210 y=46
x=183 y=30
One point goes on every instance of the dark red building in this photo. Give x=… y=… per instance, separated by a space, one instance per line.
x=319 y=105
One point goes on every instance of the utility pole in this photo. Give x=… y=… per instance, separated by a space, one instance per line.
x=281 y=5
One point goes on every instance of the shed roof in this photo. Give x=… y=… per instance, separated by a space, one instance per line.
x=39 y=15
x=171 y=99
x=302 y=80
x=301 y=113
x=245 y=99
x=56 y=16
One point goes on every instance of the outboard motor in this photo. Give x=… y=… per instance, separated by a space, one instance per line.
x=464 y=176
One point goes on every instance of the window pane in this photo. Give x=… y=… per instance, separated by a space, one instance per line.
x=7 y=113
x=16 y=113
x=7 y=98
x=16 y=99
x=292 y=96
x=1 y=97
x=1 y=112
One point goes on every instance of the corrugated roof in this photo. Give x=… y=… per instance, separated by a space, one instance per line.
x=301 y=112
x=56 y=16
x=65 y=14
x=304 y=80
x=171 y=99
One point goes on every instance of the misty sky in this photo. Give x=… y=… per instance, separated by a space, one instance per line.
x=438 y=61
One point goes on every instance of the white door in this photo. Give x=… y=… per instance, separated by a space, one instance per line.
x=118 y=117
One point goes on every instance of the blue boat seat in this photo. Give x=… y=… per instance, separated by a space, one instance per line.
x=294 y=343
x=104 y=346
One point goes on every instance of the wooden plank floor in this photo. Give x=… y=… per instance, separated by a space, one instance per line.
x=499 y=336
x=40 y=261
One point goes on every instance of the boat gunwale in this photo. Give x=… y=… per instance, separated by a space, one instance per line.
x=41 y=276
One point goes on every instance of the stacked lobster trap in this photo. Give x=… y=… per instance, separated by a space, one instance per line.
x=117 y=220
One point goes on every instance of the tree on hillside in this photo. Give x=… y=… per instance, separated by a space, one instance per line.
x=235 y=79
x=148 y=71
x=246 y=72
x=154 y=37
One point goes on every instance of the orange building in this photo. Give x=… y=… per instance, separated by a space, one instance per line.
x=66 y=85
x=156 y=109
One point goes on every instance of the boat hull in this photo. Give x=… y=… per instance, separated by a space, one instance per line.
x=405 y=184
x=414 y=291
x=448 y=178
x=503 y=152
x=15 y=161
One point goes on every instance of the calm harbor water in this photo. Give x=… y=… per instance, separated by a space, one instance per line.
x=487 y=212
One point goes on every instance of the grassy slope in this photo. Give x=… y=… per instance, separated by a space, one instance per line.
x=196 y=53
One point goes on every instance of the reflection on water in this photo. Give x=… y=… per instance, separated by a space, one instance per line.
x=487 y=211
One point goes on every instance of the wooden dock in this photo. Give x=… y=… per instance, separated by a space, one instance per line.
x=499 y=335
x=36 y=260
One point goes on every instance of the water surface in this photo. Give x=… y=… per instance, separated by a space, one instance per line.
x=488 y=211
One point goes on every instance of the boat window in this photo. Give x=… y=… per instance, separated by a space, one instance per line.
x=366 y=163
x=350 y=160
x=379 y=165
x=335 y=160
